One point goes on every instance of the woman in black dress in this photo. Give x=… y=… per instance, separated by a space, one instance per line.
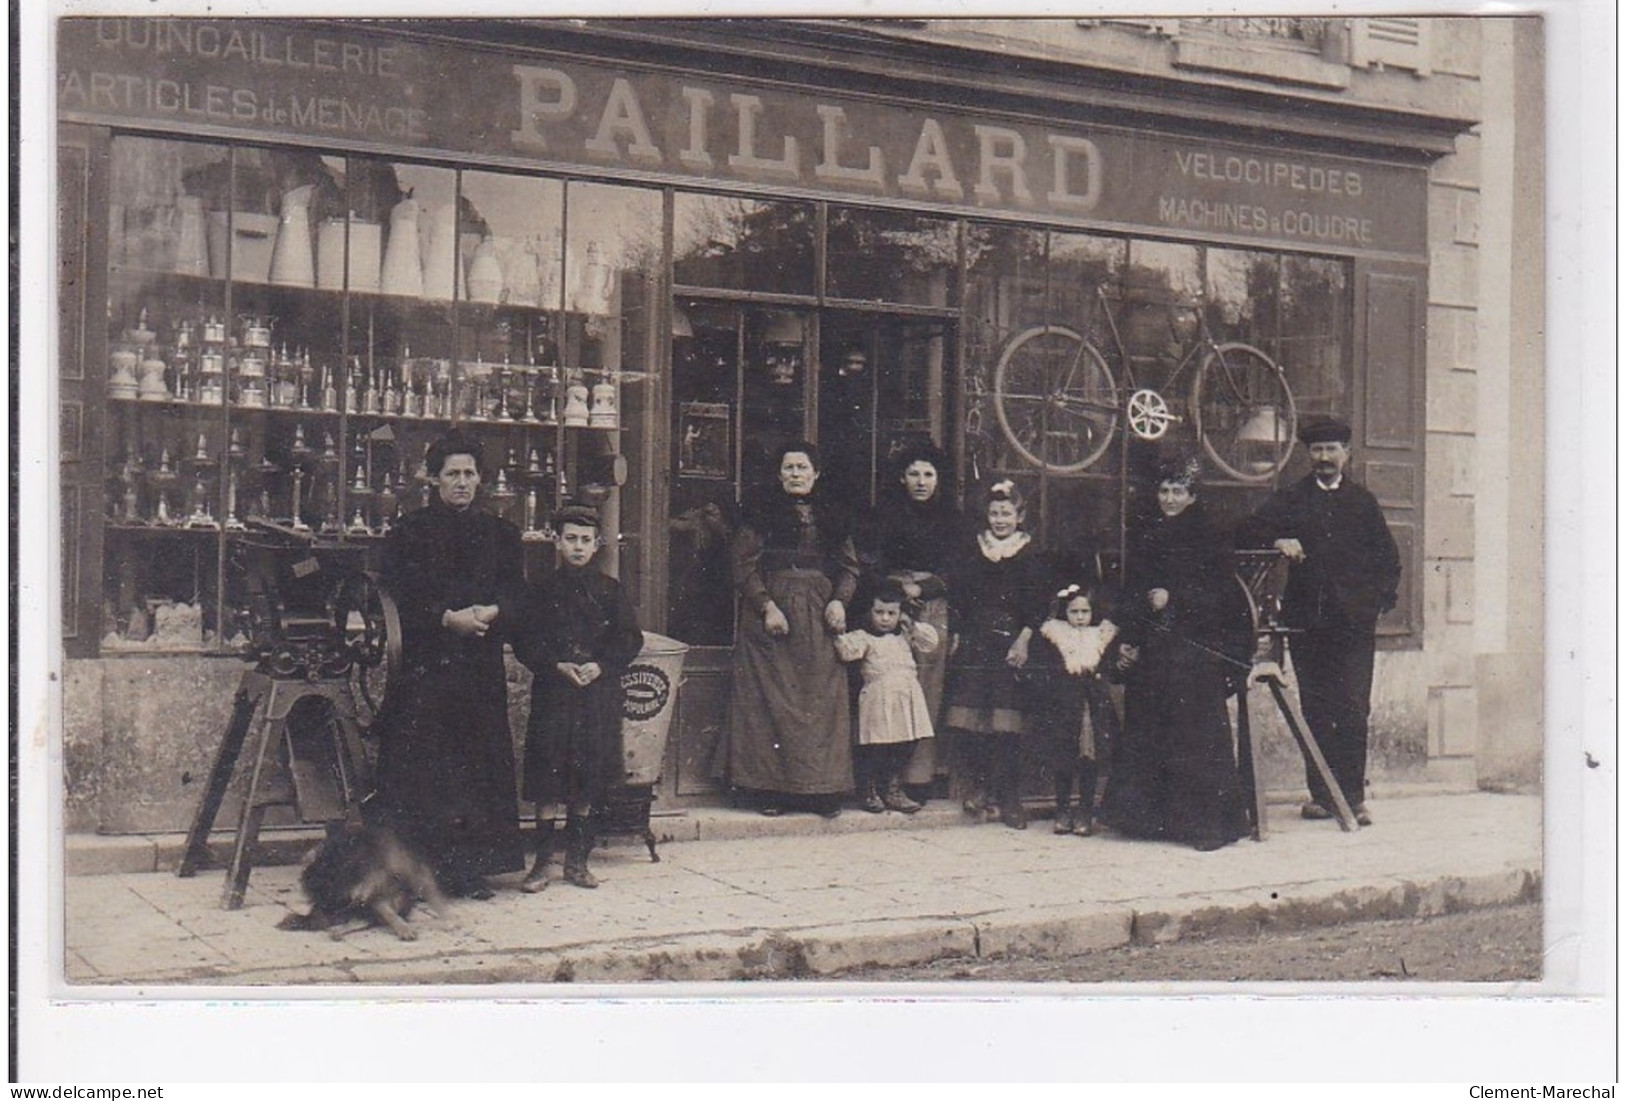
x=445 y=762
x=917 y=529
x=1174 y=772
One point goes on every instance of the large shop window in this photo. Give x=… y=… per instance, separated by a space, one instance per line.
x=1063 y=330
x=731 y=243
x=892 y=256
x=285 y=333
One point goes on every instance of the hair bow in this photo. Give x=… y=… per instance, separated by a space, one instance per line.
x=1069 y=592
x=1005 y=487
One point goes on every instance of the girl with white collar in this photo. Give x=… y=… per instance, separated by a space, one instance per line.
x=998 y=589
x=1076 y=716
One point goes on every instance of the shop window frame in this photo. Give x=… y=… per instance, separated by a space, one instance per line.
x=84 y=362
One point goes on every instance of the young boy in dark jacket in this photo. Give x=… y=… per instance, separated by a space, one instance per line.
x=580 y=635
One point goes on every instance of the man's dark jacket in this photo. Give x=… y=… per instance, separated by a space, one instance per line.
x=1350 y=572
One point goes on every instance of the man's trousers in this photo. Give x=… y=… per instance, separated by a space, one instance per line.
x=1333 y=668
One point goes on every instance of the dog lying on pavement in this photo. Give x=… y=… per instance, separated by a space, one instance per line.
x=363 y=876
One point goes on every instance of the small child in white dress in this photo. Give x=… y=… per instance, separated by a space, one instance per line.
x=892 y=712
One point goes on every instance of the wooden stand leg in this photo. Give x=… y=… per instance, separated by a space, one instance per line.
x=1247 y=757
x=649 y=840
x=354 y=772
x=242 y=861
x=1311 y=748
x=250 y=693
x=248 y=831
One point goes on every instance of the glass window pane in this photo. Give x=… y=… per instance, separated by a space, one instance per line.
x=1155 y=327
x=1243 y=296
x=1315 y=339
x=703 y=440
x=1165 y=270
x=612 y=268
x=510 y=267
x=1079 y=266
x=892 y=256
x=880 y=386
x=394 y=373
x=168 y=338
x=743 y=244
x=1005 y=295
x=520 y=258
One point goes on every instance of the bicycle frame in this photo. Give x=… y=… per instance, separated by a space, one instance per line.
x=1126 y=362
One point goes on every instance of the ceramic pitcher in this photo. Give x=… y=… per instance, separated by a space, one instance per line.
x=485 y=273
x=403 y=263
x=440 y=275
x=191 y=255
x=292 y=262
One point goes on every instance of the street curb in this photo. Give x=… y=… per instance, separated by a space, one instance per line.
x=1199 y=917
x=830 y=951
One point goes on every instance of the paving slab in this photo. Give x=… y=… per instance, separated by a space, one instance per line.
x=820 y=902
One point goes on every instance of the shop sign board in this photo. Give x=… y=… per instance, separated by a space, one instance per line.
x=359 y=88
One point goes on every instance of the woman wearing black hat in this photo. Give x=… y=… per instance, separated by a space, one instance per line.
x=1174 y=773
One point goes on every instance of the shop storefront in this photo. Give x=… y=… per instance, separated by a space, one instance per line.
x=633 y=262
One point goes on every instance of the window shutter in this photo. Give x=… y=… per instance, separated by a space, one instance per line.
x=80 y=384
x=1396 y=43
x=1390 y=437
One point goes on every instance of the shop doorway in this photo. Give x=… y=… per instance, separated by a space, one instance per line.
x=882 y=383
x=747 y=378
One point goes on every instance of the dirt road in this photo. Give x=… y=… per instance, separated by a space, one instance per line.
x=1496 y=945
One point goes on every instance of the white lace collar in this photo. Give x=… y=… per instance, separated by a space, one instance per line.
x=1081 y=648
x=997 y=550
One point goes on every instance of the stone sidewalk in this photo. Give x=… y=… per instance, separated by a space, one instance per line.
x=825 y=898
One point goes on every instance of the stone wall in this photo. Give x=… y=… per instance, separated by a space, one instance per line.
x=140 y=735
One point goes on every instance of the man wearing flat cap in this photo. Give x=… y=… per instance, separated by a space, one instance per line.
x=1343 y=574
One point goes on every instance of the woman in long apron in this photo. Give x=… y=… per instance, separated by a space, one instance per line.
x=795 y=567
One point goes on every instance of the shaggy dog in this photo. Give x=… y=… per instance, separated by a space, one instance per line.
x=362 y=876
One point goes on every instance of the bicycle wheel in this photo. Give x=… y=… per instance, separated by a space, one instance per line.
x=1244 y=413
x=1055 y=399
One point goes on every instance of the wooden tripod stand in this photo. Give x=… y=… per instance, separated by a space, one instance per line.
x=326 y=787
x=1255 y=568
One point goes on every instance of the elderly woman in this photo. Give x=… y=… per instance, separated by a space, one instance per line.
x=1174 y=772
x=916 y=530
x=790 y=733
x=445 y=767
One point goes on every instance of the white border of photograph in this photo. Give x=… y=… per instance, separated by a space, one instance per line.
x=837 y=1031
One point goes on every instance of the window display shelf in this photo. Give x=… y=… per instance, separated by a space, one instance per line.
x=261 y=384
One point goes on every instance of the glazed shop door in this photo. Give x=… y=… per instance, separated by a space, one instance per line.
x=740 y=389
x=880 y=386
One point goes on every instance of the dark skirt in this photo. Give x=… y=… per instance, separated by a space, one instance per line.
x=446 y=779
x=790 y=726
x=573 y=741
x=984 y=693
x=1173 y=773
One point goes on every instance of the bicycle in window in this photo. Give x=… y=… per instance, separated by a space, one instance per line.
x=1059 y=403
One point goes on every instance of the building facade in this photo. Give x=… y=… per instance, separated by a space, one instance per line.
x=634 y=256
